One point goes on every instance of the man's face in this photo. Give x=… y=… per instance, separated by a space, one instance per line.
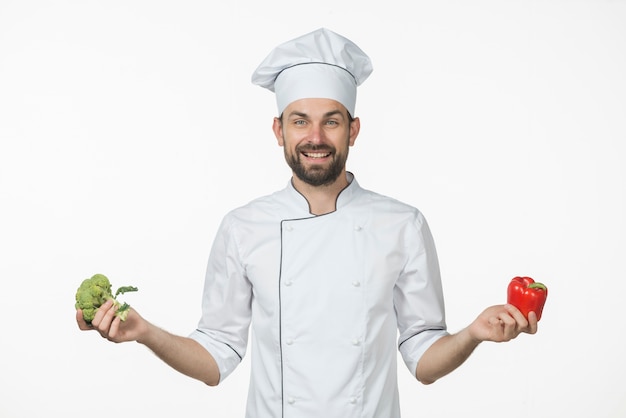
x=316 y=135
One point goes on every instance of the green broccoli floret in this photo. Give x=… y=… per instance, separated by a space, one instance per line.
x=93 y=292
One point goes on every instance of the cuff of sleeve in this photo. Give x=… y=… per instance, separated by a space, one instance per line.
x=225 y=356
x=413 y=348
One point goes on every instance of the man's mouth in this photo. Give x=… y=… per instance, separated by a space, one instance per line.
x=316 y=154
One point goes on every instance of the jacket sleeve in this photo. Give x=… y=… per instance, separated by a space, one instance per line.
x=418 y=295
x=226 y=302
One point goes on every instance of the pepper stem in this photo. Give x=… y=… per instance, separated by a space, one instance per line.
x=537 y=286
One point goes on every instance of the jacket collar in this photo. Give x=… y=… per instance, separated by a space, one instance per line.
x=299 y=206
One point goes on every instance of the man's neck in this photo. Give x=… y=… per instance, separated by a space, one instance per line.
x=322 y=199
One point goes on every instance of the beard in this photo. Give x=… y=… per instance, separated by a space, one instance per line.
x=317 y=174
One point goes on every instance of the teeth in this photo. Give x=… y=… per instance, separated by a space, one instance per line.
x=317 y=154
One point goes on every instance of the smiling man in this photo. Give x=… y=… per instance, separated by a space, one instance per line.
x=316 y=135
x=333 y=278
x=319 y=138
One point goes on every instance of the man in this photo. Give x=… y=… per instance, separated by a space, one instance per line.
x=327 y=272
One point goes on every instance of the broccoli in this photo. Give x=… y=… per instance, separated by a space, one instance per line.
x=93 y=292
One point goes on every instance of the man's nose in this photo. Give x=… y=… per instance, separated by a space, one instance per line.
x=316 y=135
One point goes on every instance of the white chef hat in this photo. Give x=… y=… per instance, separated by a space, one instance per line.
x=320 y=64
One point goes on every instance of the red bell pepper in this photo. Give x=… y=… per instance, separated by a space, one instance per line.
x=527 y=295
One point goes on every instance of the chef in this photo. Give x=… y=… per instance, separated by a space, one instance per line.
x=327 y=279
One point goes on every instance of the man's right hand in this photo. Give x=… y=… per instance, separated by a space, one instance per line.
x=112 y=327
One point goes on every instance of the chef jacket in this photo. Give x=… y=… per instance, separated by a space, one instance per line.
x=329 y=297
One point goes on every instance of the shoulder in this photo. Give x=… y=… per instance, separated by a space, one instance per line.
x=258 y=207
x=263 y=209
x=387 y=205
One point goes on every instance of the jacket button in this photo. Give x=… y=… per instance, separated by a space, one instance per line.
x=291 y=401
x=356 y=342
x=356 y=283
x=358 y=228
x=288 y=282
x=353 y=400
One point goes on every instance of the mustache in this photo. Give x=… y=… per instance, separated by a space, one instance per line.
x=315 y=148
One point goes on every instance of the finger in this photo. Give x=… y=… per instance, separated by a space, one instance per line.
x=494 y=321
x=523 y=323
x=80 y=320
x=510 y=317
x=104 y=314
x=508 y=327
x=528 y=325
x=517 y=314
x=115 y=328
x=532 y=323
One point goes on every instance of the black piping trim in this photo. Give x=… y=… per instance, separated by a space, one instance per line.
x=280 y=326
x=309 y=205
x=280 y=310
x=317 y=62
x=226 y=344
x=419 y=332
x=280 y=304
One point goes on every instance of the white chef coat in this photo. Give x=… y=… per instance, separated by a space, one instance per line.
x=327 y=297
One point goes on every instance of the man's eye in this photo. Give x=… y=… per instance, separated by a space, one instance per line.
x=299 y=122
x=331 y=122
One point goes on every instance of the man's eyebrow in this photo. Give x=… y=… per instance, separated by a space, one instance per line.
x=305 y=115
x=297 y=114
x=333 y=113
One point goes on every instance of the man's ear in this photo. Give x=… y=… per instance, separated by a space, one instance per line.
x=277 y=127
x=355 y=127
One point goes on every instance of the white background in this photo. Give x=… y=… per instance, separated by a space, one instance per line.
x=129 y=128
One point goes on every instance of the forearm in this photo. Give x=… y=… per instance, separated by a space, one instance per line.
x=497 y=323
x=182 y=353
x=444 y=356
